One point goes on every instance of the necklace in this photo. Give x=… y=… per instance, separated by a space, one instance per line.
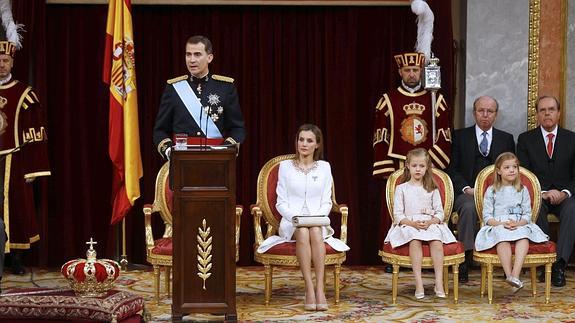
x=302 y=169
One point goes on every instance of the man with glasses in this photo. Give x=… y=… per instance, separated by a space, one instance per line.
x=549 y=152
x=473 y=149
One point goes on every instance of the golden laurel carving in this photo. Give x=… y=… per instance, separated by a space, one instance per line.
x=204 y=252
x=533 y=62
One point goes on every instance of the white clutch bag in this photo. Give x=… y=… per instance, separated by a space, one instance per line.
x=311 y=221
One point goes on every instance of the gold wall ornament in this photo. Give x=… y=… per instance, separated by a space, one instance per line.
x=533 y=62
x=204 y=252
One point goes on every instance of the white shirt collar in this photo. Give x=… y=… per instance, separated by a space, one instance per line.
x=545 y=132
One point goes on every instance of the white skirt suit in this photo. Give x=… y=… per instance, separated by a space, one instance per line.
x=301 y=193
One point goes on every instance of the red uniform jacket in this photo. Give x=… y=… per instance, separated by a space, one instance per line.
x=403 y=122
x=22 y=124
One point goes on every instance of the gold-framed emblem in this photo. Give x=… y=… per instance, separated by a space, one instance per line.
x=414 y=130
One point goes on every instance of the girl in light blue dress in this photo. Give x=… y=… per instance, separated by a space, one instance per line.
x=507 y=218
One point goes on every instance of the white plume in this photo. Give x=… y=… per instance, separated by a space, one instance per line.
x=424 y=27
x=11 y=28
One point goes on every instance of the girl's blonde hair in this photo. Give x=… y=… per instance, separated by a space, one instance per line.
x=428 y=182
x=497 y=181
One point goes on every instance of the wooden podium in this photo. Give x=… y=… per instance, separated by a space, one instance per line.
x=204 y=269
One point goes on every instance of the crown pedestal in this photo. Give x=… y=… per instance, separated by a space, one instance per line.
x=91 y=277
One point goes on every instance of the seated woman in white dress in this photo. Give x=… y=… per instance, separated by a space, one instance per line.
x=304 y=188
x=418 y=216
x=507 y=217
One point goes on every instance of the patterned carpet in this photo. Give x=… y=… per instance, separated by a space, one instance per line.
x=365 y=297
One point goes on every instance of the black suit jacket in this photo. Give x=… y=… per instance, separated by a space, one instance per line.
x=467 y=161
x=557 y=172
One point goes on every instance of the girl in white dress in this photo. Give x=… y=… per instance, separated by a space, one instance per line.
x=507 y=217
x=418 y=216
x=304 y=188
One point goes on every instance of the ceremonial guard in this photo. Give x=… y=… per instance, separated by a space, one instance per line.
x=23 y=149
x=404 y=121
x=204 y=106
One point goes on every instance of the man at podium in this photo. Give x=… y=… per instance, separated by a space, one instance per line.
x=202 y=106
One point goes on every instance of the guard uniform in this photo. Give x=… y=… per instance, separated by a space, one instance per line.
x=219 y=100
x=24 y=154
x=403 y=121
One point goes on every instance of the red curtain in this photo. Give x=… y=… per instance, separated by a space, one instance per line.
x=292 y=65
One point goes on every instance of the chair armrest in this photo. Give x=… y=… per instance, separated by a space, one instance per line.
x=257 y=213
x=148 y=226
x=239 y=211
x=344 y=211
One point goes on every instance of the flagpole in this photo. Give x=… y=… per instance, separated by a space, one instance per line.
x=124 y=257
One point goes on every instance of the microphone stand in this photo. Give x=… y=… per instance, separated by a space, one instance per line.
x=206 y=142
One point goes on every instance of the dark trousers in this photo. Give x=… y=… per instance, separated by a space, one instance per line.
x=566 y=214
x=467 y=226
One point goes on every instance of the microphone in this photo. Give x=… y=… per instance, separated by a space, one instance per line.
x=206 y=142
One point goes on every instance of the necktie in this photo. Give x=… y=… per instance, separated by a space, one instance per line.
x=483 y=144
x=550 y=144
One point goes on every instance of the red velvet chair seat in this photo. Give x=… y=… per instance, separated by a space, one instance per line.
x=534 y=248
x=450 y=249
x=288 y=249
x=163 y=246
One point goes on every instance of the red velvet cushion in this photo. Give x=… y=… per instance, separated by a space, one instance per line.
x=288 y=249
x=534 y=248
x=448 y=249
x=63 y=304
x=272 y=195
x=163 y=246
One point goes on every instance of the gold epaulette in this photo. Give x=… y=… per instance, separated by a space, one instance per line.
x=222 y=78
x=177 y=79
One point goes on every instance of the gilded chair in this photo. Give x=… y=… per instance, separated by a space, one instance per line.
x=159 y=250
x=453 y=253
x=539 y=253
x=285 y=254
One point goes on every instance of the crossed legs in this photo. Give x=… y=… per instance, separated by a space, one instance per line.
x=505 y=255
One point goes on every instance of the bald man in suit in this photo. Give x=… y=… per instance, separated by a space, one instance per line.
x=549 y=152
x=473 y=149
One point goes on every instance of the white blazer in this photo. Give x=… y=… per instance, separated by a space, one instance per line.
x=294 y=188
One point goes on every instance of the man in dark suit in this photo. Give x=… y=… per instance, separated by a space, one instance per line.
x=473 y=149
x=549 y=152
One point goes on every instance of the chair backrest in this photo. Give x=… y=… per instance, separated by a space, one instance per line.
x=442 y=180
x=485 y=179
x=164 y=195
x=266 y=192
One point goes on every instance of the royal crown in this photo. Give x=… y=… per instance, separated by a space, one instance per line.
x=414 y=108
x=91 y=277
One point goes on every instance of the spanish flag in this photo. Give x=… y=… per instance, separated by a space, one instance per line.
x=124 y=138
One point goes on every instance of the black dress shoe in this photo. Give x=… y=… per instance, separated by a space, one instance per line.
x=18 y=269
x=388 y=269
x=558 y=276
x=463 y=274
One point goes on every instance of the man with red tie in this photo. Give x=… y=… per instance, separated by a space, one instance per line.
x=548 y=151
x=403 y=121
